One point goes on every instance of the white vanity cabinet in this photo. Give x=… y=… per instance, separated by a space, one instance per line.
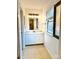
x=34 y=38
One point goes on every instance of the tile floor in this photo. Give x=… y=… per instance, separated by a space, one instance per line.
x=36 y=52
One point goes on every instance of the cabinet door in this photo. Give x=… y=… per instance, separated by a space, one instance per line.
x=35 y=38
x=39 y=38
x=32 y=39
x=26 y=39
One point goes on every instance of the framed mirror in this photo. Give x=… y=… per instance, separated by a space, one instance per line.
x=57 y=20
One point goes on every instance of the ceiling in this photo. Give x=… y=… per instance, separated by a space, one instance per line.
x=35 y=4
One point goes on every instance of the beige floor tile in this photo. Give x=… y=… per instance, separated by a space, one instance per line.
x=36 y=52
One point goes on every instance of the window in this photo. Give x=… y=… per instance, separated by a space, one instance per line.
x=49 y=18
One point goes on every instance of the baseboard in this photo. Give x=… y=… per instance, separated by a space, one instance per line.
x=35 y=44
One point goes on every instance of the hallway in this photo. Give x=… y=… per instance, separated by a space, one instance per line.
x=36 y=52
x=36 y=23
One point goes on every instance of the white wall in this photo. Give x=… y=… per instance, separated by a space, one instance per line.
x=40 y=18
x=52 y=44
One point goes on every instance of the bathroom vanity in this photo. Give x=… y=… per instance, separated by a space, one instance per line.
x=33 y=37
